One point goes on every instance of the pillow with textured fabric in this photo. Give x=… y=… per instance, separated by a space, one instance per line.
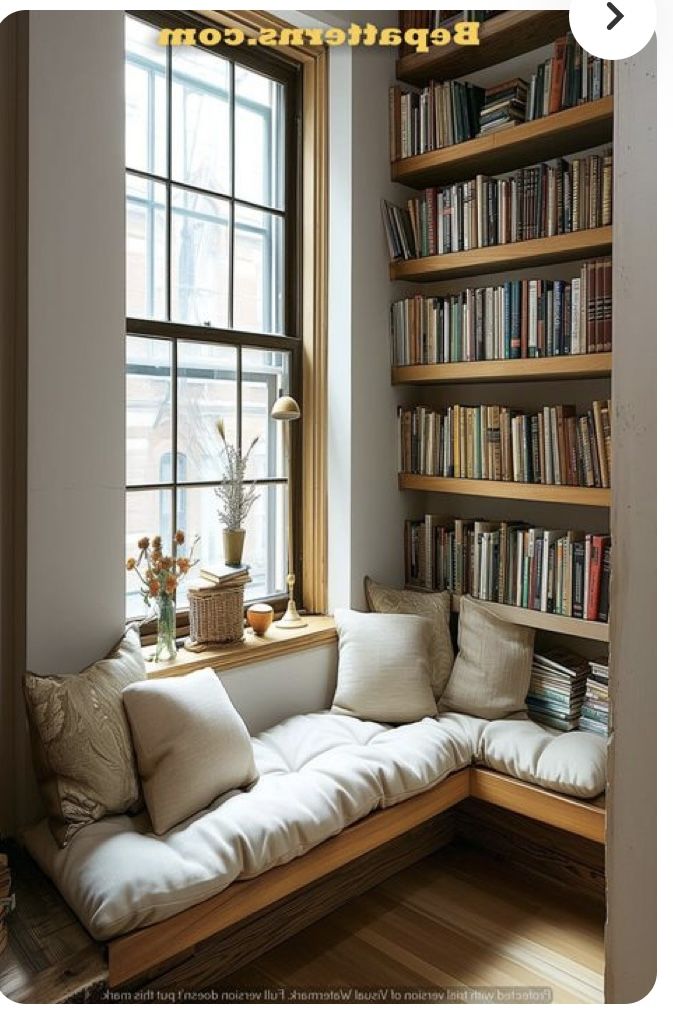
x=82 y=749
x=491 y=675
x=384 y=667
x=191 y=745
x=436 y=607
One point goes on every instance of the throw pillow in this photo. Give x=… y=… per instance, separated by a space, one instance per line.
x=436 y=607
x=190 y=743
x=384 y=667
x=491 y=675
x=82 y=747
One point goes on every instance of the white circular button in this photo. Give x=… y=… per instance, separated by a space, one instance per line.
x=614 y=30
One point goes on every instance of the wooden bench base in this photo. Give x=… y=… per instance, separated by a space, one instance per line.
x=151 y=950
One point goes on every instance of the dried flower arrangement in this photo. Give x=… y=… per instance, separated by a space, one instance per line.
x=237 y=498
x=159 y=574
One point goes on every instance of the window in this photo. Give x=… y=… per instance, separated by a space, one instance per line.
x=212 y=328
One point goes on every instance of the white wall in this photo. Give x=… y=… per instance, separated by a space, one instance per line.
x=632 y=828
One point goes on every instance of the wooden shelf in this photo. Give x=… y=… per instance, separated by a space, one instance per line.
x=511 y=256
x=517 y=490
x=566 y=132
x=501 y=38
x=511 y=370
x=598 y=631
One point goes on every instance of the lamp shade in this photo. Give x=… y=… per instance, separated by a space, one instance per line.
x=286 y=409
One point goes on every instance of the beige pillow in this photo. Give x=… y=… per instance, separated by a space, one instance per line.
x=436 y=607
x=82 y=747
x=491 y=675
x=384 y=667
x=190 y=743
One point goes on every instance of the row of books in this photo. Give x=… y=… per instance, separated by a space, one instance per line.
x=563 y=687
x=564 y=572
x=596 y=713
x=517 y=319
x=531 y=203
x=555 y=446
x=440 y=115
x=570 y=77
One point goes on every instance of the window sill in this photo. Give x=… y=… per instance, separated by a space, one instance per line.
x=251 y=649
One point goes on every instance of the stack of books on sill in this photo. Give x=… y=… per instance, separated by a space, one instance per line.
x=224 y=576
x=596 y=714
x=504 y=106
x=570 y=77
x=557 y=686
x=532 y=203
x=555 y=446
x=563 y=572
x=517 y=319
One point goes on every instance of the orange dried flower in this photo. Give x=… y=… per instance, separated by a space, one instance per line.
x=156 y=542
x=171 y=583
x=154 y=588
x=183 y=564
x=130 y=564
x=144 y=543
x=179 y=537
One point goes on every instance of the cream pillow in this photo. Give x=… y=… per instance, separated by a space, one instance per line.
x=191 y=745
x=384 y=667
x=491 y=675
x=82 y=749
x=436 y=607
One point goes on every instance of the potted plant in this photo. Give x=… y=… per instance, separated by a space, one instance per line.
x=159 y=575
x=237 y=498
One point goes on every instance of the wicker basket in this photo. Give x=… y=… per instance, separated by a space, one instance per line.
x=216 y=614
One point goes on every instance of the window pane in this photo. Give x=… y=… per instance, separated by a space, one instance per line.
x=147 y=513
x=145 y=99
x=148 y=411
x=145 y=248
x=200 y=259
x=201 y=119
x=265 y=540
x=258 y=271
x=265 y=374
x=260 y=139
x=206 y=392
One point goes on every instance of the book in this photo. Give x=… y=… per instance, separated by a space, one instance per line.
x=221 y=574
x=557 y=688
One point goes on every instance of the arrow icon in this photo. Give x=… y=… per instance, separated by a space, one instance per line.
x=618 y=16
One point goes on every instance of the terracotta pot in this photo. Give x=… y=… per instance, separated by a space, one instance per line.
x=260 y=617
x=233 y=546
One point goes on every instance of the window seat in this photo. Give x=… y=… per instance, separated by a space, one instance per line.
x=320 y=774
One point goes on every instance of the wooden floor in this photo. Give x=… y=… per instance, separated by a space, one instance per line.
x=458 y=921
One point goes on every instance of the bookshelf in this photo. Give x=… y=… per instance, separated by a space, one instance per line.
x=514 y=370
x=519 y=491
x=501 y=38
x=511 y=256
x=562 y=134
x=585 y=126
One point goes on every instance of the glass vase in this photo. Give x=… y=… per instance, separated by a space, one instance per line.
x=166 y=647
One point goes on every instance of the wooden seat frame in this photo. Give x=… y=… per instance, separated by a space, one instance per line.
x=147 y=951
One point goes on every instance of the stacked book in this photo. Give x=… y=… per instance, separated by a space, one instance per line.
x=569 y=78
x=564 y=572
x=596 y=714
x=229 y=576
x=437 y=116
x=504 y=105
x=555 y=446
x=532 y=203
x=517 y=319
x=6 y=899
x=557 y=685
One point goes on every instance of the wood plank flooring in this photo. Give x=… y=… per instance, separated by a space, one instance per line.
x=457 y=921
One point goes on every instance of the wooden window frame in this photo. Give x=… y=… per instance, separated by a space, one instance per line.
x=306 y=300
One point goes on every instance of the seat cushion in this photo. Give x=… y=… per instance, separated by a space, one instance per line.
x=572 y=763
x=317 y=775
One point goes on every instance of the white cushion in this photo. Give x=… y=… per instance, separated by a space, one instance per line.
x=573 y=763
x=190 y=744
x=384 y=667
x=318 y=774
